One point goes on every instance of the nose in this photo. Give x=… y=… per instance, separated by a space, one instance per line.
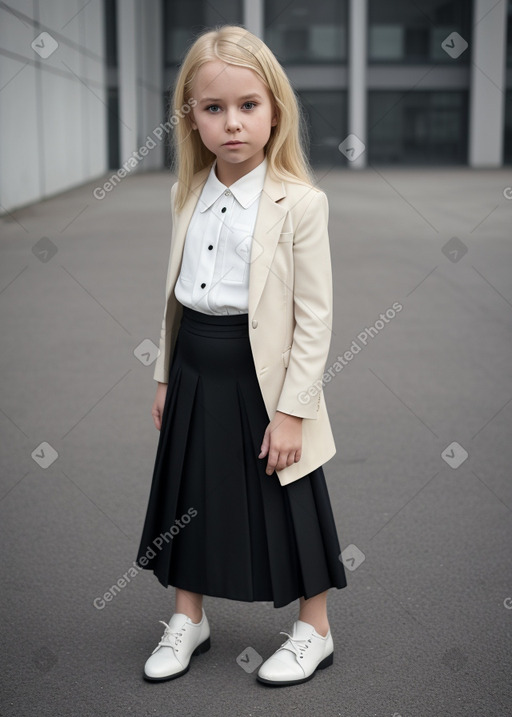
x=232 y=120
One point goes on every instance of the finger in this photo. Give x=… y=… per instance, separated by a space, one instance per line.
x=265 y=444
x=273 y=458
x=286 y=460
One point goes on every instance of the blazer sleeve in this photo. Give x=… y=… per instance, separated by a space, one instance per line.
x=161 y=370
x=312 y=301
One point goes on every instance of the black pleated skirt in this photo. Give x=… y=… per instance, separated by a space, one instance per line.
x=216 y=523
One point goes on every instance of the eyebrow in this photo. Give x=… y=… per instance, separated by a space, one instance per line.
x=245 y=97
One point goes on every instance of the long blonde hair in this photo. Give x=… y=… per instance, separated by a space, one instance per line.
x=286 y=148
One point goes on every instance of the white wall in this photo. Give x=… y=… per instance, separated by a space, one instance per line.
x=53 y=113
x=487 y=96
x=139 y=45
x=150 y=83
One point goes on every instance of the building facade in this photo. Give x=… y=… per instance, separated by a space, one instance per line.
x=86 y=86
x=418 y=83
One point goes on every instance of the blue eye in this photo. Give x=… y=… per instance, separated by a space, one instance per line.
x=249 y=102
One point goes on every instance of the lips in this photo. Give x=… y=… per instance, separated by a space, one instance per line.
x=233 y=143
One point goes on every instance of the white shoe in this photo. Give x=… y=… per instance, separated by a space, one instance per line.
x=181 y=640
x=299 y=657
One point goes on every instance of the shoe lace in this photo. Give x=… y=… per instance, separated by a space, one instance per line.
x=295 y=645
x=170 y=638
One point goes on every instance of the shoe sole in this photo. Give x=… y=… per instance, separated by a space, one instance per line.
x=200 y=649
x=326 y=662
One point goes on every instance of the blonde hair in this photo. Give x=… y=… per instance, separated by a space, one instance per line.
x=285 y=149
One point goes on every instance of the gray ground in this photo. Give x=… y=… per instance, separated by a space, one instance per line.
x=424 y=627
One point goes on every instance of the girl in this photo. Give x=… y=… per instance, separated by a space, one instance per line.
x=239 y=506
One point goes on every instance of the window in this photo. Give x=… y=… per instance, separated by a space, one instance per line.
x=307 y=31
x=507 y=149
x=509 y=34
x=507 y=144
x=325 y=112
x=404 y=31
x=185 y=19
x=418 y=127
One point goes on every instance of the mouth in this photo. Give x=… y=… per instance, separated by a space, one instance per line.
x=233 y=143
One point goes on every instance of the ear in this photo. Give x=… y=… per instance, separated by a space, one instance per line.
x=273 y=121
x=191 y=119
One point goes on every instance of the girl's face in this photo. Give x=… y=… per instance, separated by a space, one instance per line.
x=233 y=105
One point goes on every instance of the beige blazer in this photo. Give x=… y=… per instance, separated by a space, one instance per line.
x=289 y=307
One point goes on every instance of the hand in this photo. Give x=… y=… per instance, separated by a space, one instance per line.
x=158 y=404
x=282 y=441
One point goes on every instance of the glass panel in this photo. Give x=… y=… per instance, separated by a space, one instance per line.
x=418 y=127
x=507 y=158
x=509 y=34
x=326 y=118
x=507 y=131
x=111 y=32
x=184 y=19
x=307 y=31
x=406 y=31
x=386 y=42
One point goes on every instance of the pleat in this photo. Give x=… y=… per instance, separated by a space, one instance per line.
x=223 y=526
x=299 y=518
x=281 y=559
x=163 y=508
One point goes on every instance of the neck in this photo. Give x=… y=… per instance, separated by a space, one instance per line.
x=228 y=174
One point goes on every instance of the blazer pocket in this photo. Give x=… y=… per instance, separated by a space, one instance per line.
x=285 y=236
x=286 y=356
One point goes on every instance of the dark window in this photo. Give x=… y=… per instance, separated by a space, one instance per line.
x=404 y=31
x=509 y=34
x=507 y=143
x=110 y=10
x=507 y=158
x=307 y=31
x=185 y=19
x=418 y=127
x=325 y=112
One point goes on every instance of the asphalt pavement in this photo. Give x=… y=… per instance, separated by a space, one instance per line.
x=420 y=401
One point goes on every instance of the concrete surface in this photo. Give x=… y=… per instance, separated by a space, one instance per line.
x=424 y=626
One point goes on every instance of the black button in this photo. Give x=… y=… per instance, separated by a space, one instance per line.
x=202 y=286
x=223 y=209
x=211 y=246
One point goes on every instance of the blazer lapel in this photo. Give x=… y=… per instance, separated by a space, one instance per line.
x=269 y=221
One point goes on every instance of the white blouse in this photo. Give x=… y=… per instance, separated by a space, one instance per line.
x=214 y=275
